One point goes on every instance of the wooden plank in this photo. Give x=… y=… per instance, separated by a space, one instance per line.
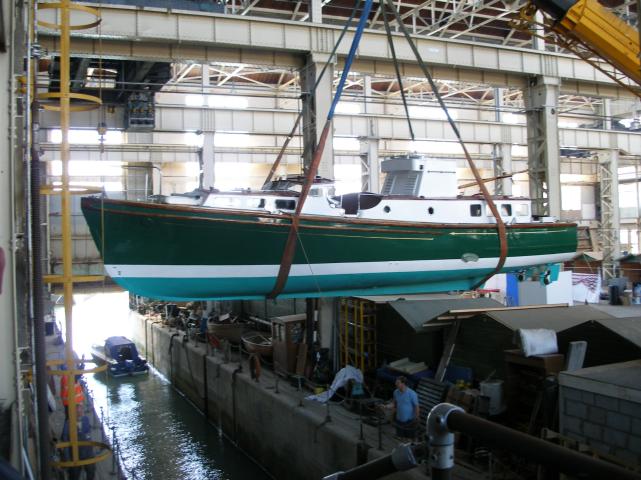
x=576 y=355
x=447 y=351
x=301 y=359
x=507 y=309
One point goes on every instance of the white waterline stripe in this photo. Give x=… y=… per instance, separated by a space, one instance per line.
x=300 y=270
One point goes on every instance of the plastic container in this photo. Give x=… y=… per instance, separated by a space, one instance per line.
x=493 y=389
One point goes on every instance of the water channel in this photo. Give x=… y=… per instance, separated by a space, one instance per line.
x=161 y=434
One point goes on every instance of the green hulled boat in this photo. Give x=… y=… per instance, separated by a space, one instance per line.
x=216 y=245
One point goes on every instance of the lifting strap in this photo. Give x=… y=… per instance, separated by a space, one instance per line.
x=276 y=163
x=290 y=245
x=500 y=225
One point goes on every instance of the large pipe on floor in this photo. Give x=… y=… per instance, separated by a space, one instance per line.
x=445 y=419
x=39 y=344
x=402 y=458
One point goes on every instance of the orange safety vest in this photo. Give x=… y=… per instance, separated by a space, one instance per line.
x=64 y=392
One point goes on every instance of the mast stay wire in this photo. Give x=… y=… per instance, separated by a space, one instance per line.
x=500 y=225
x=390 y=41
x=291 y=134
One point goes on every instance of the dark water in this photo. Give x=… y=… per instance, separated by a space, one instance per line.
x=161 y=434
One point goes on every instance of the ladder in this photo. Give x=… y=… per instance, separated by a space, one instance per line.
x=358 y=333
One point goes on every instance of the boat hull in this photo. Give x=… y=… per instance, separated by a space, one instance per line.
x=184 y=253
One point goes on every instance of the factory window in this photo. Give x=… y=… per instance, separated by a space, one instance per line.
x=571 y=197
x=506 y=210
x=87 y=137
x=523 y=210
x=100 y=78
x=285 y=204
x=475 y=210
x=227 y=101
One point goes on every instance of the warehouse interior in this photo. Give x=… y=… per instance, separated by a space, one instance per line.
x=159 y=102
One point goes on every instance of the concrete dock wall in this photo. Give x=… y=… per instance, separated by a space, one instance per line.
x=287 y=439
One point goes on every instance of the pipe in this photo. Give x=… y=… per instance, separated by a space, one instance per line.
x=402 y=458
x=444 y=419
x=441 y=440
x=37 y=303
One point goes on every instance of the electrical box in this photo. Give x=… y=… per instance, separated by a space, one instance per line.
x=288 y=333
x=140 y=111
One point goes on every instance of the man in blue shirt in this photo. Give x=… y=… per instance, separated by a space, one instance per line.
x=405 y=409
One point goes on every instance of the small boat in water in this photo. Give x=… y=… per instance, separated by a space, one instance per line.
x=121 y=356
x=258 y=343
x=419 y=235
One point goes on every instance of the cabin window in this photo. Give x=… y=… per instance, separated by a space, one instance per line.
x=523 y=210
x=386 y=209
x=506 y=210
x=475 y=210
x=315 y=192
x=261 y=204
x=430 y=210
x=285 y=204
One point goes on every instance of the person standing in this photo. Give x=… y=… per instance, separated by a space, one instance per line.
x=85 y=452
x=406 y=409
x=64 y=392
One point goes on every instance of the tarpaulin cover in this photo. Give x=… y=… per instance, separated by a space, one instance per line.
x=537 y=341
x=344 y=375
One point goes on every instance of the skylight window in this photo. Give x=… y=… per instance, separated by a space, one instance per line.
x=347 y=143
x=348 y=108
x=432 y=147
x=100 y=78
x=87 y=137
x=227 y=101
x=192 y=139
x=194 y=100
x=512 y=118
x=430 y=113
x=87 y=168
x=231 y=139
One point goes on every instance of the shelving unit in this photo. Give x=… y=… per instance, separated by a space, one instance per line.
x=358 y=333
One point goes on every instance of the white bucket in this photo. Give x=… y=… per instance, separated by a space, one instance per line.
x=493 y=389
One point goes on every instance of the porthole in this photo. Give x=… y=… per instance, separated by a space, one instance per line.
x=386 y=209
x=430 y=211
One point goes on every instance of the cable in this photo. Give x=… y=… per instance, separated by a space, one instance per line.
x=276 y=163
x=500 y=225
x=390 y=41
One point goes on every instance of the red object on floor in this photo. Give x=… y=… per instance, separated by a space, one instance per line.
x=2 y=262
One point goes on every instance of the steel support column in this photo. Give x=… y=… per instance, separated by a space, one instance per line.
x=543 y=145
x=502 y=152
x=610 y=226
x=315 y=11
x=207 y=160
x=370 y=164
x=606 y=111
x=316 y=106
x=502 y=165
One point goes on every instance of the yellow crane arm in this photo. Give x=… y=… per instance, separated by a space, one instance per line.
x=608 y=36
